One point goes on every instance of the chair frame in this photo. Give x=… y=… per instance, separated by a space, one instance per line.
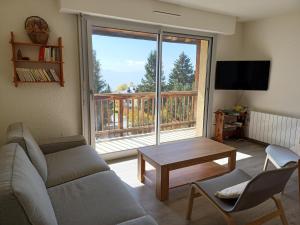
x=270 y=159
x=196 y=191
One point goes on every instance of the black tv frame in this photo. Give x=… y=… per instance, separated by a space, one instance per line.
x=241 y=80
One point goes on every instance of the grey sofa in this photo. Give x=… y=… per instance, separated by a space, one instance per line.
x=61 y=183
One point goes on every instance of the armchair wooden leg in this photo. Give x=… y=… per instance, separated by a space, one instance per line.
x=229 y=219
x=196 y=192
x=281 y=211
x=190 y=202
x=266 y=163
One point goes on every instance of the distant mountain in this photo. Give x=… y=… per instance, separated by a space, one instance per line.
x=115 y=78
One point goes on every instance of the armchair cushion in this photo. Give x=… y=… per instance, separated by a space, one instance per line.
x=211 y=186
x=74 y=163
x=19 y=133
x=232 y=192
x=62 y=143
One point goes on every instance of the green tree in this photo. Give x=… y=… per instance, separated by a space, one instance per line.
x=149 y=81
x=122 y=87
x=100 y=87
x=107 y=89
x=99 y=83
x=182 y=75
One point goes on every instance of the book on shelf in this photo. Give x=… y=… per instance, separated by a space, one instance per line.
x=49 y=54
x=37 y=74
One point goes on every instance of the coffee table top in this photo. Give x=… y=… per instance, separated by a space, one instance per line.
x=187 y=150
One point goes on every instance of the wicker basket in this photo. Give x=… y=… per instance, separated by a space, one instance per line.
x=37 y=29
x=38 y=37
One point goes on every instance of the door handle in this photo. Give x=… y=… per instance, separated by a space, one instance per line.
x=92 y=93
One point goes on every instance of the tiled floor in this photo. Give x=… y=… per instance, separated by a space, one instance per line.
x=172 y=212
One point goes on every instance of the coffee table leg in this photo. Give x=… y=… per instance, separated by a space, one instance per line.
x=232 y=160
x=141 y=168
x=162 y=183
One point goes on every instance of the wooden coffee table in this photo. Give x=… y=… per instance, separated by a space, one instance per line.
x=183 y=162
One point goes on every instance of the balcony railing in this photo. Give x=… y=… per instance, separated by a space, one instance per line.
x=134 y=113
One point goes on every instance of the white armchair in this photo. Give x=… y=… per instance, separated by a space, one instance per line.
x=281 y=156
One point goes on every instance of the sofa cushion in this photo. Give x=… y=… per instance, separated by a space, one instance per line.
x=18 y=133
x=144 y=220
x=62 y=143
x=98 y=199
x=23 y=195
x=72 y=164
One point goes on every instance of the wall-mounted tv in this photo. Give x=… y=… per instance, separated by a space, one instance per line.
x=242 y=75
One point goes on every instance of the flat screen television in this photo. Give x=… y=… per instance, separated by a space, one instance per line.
x=242 y=75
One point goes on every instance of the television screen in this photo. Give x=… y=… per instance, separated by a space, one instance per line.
x=242 y=75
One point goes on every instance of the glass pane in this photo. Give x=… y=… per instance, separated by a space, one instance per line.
x=184 y=62
x=124 y=79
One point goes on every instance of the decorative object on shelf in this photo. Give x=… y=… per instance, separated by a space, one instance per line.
x=40 y=69
x=19 y=55
x=240 y=108
x=230 y=123
x=37 y=29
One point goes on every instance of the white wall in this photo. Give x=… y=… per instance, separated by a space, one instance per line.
x=143 y=11
x=277 y=39
x=48 y=109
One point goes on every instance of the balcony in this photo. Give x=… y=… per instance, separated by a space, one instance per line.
x=125 y=121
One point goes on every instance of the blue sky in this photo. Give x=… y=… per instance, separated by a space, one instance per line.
x=123 y=59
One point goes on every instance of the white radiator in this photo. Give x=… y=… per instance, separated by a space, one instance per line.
x=274 y=129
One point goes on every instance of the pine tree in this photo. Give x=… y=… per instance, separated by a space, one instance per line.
x=182 y=75
x=100 y=87
x=99 y=83
x=149 y=81
x=107 y=89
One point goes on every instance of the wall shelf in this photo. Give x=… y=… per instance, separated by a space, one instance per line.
x=39 y=71
x=37 y=61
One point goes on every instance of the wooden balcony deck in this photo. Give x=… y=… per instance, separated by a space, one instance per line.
x=104 y=146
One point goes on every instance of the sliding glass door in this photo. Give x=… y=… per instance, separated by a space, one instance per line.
x=183 y=81
x=148 y=88
x=125 y=85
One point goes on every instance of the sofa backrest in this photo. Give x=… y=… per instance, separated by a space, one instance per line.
x=23 y=195
x=19 y=133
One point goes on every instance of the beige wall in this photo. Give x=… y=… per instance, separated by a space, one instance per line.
x=48 y=109
x=277 y=39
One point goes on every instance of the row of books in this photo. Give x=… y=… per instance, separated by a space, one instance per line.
x=49 y=54
x=32 y=75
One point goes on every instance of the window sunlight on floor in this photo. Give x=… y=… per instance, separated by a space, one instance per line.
x=239 y=156
x=127 y=170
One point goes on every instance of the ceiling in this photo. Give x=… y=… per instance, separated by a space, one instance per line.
x=244 y=10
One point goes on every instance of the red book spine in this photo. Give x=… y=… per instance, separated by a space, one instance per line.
x=42 y=54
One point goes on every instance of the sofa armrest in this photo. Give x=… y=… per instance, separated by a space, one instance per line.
x=144 y=220
x=63 y=143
